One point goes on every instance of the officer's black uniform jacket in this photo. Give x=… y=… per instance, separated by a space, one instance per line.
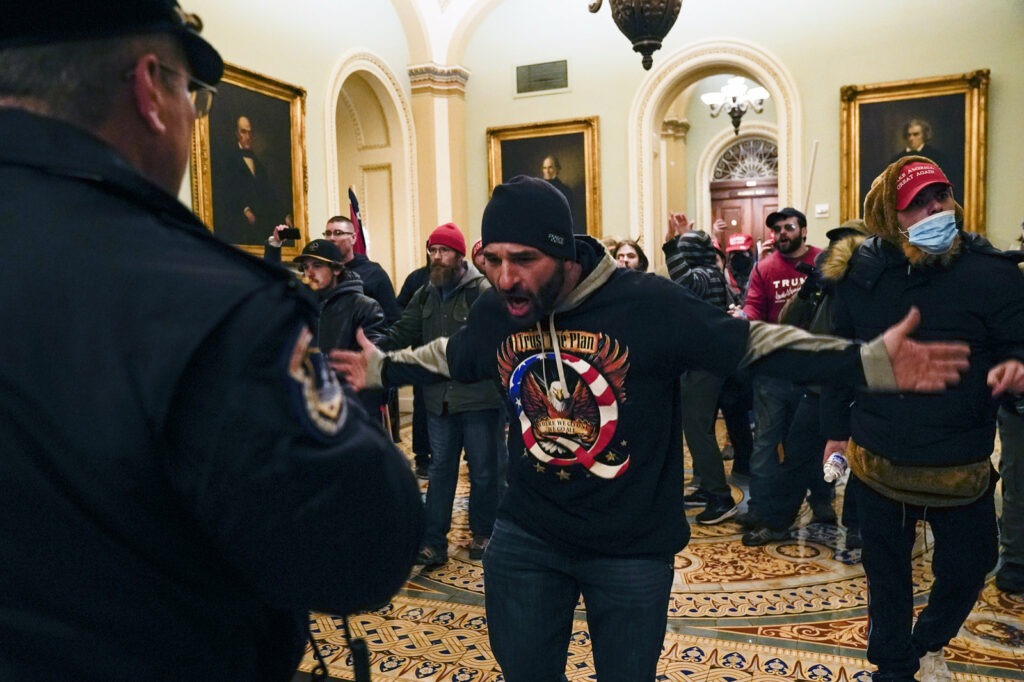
x=172 y=504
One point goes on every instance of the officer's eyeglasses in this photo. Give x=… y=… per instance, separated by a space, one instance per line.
x=788 y=227
x=337 y=233
x=199 y=92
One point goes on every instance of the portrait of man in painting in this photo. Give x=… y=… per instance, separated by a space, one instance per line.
x=933 y=127
x=559 y=159
x=250 y=164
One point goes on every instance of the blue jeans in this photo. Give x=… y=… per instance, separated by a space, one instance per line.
x=449 y=434
x=800 y=471
x=531 y=594
x=775 y=402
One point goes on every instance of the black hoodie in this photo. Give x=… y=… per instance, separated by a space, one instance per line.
x=595 y=435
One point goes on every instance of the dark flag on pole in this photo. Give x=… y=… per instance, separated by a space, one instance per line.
x=357 y=222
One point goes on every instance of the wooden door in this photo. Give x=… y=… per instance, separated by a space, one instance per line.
x=744 y=204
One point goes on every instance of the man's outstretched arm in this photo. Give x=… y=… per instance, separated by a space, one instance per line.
x=365 y=368
x=892 y=362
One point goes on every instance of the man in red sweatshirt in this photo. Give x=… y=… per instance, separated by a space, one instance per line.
x=773 y=281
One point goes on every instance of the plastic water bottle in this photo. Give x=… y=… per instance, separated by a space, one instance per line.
x=835 y=467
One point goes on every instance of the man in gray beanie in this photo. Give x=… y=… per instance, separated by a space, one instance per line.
x=595 y=499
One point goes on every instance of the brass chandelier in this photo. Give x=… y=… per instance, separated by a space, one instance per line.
x=644 y=22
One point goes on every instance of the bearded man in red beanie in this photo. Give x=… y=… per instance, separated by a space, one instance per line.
x=459 y=415
x=924 y=457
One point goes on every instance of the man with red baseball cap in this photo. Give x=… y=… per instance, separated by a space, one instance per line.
x=924 y=457
x=916 y=176
x=739 y=261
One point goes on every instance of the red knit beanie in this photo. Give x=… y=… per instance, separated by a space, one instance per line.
x=448 y=235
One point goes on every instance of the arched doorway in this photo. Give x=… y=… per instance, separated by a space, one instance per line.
x=677 y=72
x=744 y=186
x=370 y=146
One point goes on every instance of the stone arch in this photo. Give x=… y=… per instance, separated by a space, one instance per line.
x=680 y=70
x=369 y=141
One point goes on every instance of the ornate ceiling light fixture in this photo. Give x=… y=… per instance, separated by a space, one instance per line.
x=644 y=22
x=735 y=98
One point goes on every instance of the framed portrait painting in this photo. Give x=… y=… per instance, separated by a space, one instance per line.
x=943 y=118
x=565 y=153
x=248 y=161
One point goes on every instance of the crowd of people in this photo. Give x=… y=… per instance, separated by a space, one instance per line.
x=193 y=441
x=913 y=458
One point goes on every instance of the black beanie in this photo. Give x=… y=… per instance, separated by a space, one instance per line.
x=532 y=212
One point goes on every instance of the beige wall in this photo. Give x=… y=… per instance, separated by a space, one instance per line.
x=822 y=45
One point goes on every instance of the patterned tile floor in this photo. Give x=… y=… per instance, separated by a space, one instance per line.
x=792 y=610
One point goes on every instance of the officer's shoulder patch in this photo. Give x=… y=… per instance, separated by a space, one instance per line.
x=316 y=392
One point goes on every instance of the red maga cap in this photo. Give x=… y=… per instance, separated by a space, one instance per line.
x=739 y=241
x=913 y=178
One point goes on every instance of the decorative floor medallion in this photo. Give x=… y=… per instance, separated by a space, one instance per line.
x=790 y=610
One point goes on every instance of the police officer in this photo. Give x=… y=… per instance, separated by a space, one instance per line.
x=182 y=479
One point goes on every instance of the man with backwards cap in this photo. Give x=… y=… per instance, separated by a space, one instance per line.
x=175 y=458
x=595 y=498
x=924 y=457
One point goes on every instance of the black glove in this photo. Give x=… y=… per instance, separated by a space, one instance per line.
x=813 y=284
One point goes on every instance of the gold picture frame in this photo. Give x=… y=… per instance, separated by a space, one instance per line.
x=240 y=201
x=874 y=118
x=522 y=149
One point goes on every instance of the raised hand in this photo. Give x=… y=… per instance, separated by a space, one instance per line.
x=678 y=223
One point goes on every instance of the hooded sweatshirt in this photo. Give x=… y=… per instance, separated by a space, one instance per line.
x=691 y=262
x=345 y=308
x=595 y=433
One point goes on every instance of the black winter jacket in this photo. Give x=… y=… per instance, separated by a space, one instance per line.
x=345 y=308
x=979 y=299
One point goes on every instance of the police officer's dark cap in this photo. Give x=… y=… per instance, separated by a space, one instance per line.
x=322 y=250
x=41 y=22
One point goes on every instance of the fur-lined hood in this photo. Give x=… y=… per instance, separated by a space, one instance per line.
x=880 y=216
x=838 y=256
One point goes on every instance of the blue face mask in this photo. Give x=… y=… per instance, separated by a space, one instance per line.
x=934 y=234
